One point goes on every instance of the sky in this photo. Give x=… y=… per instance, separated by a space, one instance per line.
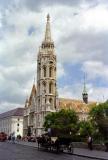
x=80 y=33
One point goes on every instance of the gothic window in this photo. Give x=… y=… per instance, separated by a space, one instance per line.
x=44 y=71
x=51 y=62
x=50 y=87
x=38 y=119
x=50 y=100
x=50 y=72
x=44 y=87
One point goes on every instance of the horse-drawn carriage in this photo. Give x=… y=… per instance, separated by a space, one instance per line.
x=55 y=144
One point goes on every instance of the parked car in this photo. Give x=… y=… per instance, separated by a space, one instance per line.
x=3 y=136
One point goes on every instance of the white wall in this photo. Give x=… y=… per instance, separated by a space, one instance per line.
x=12 y=124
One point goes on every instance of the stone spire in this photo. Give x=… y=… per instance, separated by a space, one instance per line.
x=84 y=93
x=48 y=43
x=48 y=30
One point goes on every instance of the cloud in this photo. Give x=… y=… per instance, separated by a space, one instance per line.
x=60 y=70
x=6 y=106
x=95 y=69
x=71 y=91
x=79 y=30
x=96 y=94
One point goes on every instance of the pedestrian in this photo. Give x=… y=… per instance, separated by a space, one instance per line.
x=13 y=137
x=90 y=141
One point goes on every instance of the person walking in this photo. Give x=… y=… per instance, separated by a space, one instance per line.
x=13 y=137
x=90 y=141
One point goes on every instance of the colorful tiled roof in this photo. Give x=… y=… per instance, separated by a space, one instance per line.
x=14 y=112
x=77 y=105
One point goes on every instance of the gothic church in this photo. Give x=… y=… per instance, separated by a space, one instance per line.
x=44 y=98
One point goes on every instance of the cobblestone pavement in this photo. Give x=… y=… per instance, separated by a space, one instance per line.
x=9 y=151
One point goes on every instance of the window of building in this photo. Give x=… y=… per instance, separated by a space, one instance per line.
x=50 y=87
x=18 y=130
x=18 y=124
x=44 y=87
x=50 y=100
x=44 y=71
x=50 y=72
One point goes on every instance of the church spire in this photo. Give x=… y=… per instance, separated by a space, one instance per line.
x=84 y=93
x=48 y=43
x=48 y=30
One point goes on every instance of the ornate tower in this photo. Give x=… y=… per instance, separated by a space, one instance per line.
x=84 y=93
x=46 y=78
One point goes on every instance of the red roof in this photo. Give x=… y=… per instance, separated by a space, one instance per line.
x=14 y=112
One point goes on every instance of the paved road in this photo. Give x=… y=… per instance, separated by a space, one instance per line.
x=9 y=151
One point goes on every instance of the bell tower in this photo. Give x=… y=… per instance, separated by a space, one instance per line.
x=46 y=77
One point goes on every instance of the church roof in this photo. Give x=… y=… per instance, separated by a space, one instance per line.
x=14 y=112
x=77 y=105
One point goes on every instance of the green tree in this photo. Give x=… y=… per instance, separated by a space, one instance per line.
x=99 y=119
x=85 y=128
x=62 y=123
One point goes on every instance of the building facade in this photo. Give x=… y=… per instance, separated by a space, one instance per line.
x=12 y=121
x=43 y=100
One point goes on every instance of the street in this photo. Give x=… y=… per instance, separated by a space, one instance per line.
x=9 y=151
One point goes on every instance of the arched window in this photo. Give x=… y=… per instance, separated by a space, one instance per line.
x=44 y=87
x=50 y=100
x=44 y=71
x=50 y=72
x=50 y=87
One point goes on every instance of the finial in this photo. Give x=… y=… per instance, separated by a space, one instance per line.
x=48 y=17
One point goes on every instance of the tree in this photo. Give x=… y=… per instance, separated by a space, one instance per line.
x=62 y=123
x=85 y=128
x=99 y=118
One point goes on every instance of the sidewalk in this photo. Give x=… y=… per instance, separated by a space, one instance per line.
x=100 y=155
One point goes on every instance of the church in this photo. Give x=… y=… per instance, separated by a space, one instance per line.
x=44 y=96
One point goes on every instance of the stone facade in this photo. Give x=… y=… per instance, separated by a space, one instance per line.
x=12 y=121
x=42 y=101
x=44 y=98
